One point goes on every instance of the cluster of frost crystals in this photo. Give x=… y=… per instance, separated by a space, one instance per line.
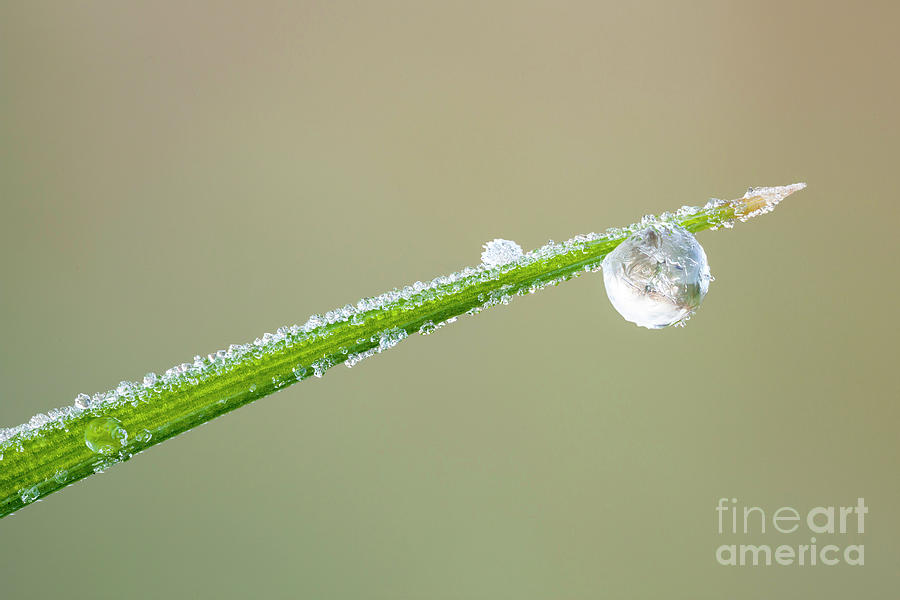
x=757 y=201
x=770 y=196
x=657 y=277
x=500 y=252
x=387 y=339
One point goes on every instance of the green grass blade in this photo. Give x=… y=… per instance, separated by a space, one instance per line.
x=49 y=452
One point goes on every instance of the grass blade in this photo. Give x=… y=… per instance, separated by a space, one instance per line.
x=49 y=452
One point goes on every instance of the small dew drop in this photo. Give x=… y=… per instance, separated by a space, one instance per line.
x=143 y=436
x=61 y=475
x=500 y=252
x=657 y=277
x=150 y=379
x=105 y=435
x=252 y=388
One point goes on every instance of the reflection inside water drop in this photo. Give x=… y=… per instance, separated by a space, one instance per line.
x=657 y=277
x=105 y=435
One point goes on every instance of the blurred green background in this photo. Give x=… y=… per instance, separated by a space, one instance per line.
x=175 y=177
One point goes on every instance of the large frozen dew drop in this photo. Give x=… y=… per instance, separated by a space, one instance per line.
x=500 y=252
x=657 y=277
x=105 y=435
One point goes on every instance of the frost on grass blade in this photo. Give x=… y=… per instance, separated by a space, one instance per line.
x=504 y=259
x=755 y=202
x=32 y=455
x=501 y=259
x=763 y=200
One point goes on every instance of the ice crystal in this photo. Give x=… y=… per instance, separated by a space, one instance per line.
x=500 y=252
